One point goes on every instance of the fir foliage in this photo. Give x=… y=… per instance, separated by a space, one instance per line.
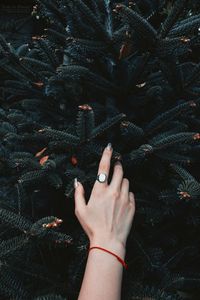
x=101 y=71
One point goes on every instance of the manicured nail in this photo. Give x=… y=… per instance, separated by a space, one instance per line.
x=75 y=182
x=109 y=146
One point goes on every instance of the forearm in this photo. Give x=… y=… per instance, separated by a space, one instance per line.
x=103 y=274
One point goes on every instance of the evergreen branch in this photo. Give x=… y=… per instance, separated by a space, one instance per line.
x=89 y=122
x=6 y=127
x=110 y=122
x=58 y=238
x=172 y=72
x=96 y=9
x=187 y=27
x=91 y=18
x=33 y=177
x=139 y=154
x=13 y=286
x=23 y=163
x=14 y=73
x=85 y=122
x=55 y=180
x=131 y=130
x=189 y=189
x=61 y=37
x=177 y=257
x=53 y=9
x=35 y=271
x=142 y=28
x=22 y=50
x=193 y=77
x=120 y=33
x=78 y=72
x=3 y=44
x=175 y=157
x=36 y=64
x=183 y=137
x=49 y=52
x=8 y=246
x=80 y=125
x=86 y=47
x=54 y=134
x=173 y=46
x=184 y=174
x=96 y=149
x=172 y=17
x=14 y=220
x=164 y=118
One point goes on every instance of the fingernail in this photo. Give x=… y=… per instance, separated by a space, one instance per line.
x=75 y=182
x=118 y=163
x=109 y=146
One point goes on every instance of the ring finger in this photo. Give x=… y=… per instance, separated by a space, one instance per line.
x=125 y=189
x=117 y=176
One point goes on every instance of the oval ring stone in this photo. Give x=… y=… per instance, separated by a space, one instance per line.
x=102 y=177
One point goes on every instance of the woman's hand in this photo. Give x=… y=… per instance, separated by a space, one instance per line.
x=108 y=215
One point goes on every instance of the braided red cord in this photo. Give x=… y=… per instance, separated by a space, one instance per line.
x=119 y=259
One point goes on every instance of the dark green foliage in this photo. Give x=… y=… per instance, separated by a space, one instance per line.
x=172 y=17
x=99 y=72
x=143 y=29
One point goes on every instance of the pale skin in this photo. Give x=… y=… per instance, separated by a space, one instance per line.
x=106 y=219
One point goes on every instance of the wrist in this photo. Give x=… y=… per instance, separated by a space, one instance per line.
x=115 y=246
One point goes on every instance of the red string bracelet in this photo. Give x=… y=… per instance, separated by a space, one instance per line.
x=121 y=260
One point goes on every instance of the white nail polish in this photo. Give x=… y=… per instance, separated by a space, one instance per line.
x=75 y=182
x=109 y=146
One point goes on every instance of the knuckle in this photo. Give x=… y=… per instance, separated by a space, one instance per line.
x=119 y=168
x=106 y=155
x=132 y=204
x=96 y=193
x=118 y=165
x=77 y=211
x=107 y=152
x=131 y=201
x=103 y=165
x=126 y=180
x=116 y=194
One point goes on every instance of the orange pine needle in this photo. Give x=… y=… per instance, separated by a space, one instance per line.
x=140 y=85
x=184 y=39
x=185 y=194
x=125 y=50
x=192 y=103
x=85 y=107
x=43 y=160
x=53 y=224
x=39 y=84
x=40 y=152
x=196 y=136
x=74 y=160
x=36 y=37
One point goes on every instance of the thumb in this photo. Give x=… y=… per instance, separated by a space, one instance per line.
x=79 y=196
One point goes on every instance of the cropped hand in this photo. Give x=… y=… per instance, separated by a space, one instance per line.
x=109 y=213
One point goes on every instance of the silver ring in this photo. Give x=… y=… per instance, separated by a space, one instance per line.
x=102 y=177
